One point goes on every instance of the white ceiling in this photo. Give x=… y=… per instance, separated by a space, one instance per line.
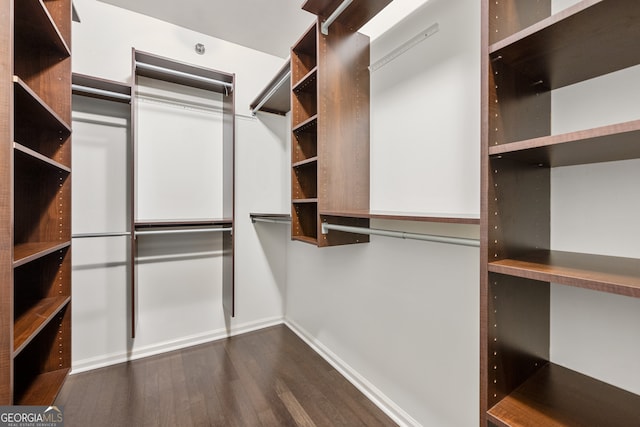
x=270 y=26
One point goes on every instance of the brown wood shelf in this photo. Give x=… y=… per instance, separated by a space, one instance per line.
x=280 y=100
x=304 y=54
x=307 y=83
x=557 y=396
x=603 y=144
x=44 y=388
x=602 y=273
x=185 y=71
x=270 y=215
x=27 y=102
x=24 y=253
x=29 y=153
x=589 y=39
x=34 y=23
x=305 y=162
x=301 y=127
x=305 y=239
x=185 y=223
x=102 y=84
x=354 y=16
x=407 y=216
x=32 y=321
x=303 y=201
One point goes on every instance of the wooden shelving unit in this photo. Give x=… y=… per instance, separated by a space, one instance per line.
x=330 y=131
x=35 y=260
x=528 y=53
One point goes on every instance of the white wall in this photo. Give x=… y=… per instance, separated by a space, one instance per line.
x=425 y=121
x=168 y=316
x=402 y=317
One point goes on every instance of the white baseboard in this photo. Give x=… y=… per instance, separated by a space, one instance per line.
x=361 y=383
x=166 y=346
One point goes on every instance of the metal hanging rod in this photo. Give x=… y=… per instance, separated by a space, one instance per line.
x=106 y=234
x=169 y=71
x=183 y=231
x=401 y=235
x=271 y=220
x=273 y=90
x=324 y=28
x=175 y=257
x=101 y=92
x=423 y=35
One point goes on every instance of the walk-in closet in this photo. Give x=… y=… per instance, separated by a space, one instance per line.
x=319 y=213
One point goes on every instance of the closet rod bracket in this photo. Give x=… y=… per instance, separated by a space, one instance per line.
x=324 y=28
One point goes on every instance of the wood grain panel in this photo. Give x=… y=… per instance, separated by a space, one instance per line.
x=507 y=17
x=6 y=202
x=343 y=120
x=517 y=332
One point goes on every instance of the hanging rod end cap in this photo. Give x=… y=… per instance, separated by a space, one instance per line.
x=324 y=229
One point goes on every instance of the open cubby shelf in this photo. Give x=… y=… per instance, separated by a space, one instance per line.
x=307 y=83
x=35 y=25
x=43 y=387
x=306 y=124
x=30 y=322
x=527 y=53
x=589 y=39
x=557 y=396
x=27 y=102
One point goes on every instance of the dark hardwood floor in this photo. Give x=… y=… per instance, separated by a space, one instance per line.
x=264 y=378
